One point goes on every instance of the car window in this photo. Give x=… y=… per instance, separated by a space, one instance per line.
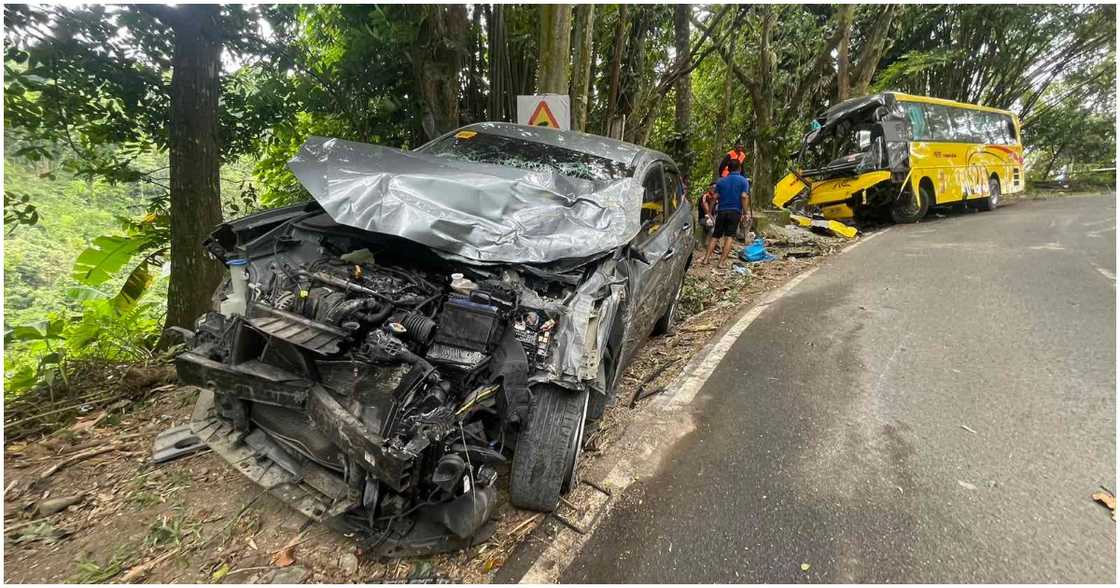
x=674 y=189
x=653 y=201
x=482 y=147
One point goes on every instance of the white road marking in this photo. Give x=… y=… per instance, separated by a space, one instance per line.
x=1106 y=274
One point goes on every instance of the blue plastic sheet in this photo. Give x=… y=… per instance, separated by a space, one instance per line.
x=756 y=252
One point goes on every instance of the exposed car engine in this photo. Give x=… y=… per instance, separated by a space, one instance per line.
x=394 y=387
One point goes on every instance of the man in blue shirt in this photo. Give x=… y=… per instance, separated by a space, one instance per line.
x=733 y=191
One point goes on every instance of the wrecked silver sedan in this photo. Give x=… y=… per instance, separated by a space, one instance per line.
x=377 y=354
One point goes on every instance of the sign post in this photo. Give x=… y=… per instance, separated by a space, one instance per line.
x=547 y=110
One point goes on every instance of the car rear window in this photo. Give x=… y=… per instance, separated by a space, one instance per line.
x=531 y=155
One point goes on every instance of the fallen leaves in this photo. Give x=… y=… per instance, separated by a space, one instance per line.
x=286 y=555
x=1106 y=498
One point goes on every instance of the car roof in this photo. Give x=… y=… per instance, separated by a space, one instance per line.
x=613 y=149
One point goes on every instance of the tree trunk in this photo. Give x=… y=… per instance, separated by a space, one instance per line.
x=437 y=57
x=634 y=78
x=581 y=64
x=616 y=70
x=555 y=48
x=682 y=151
x=476 y=108
x=764 y=152
x=194 y=151
x=725 y=112
x=875 y=44
x=843 y=81
x=499 y=63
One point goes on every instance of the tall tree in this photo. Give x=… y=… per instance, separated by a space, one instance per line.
x=582 y=58
x=437 y=56
x=195 y=157
x=853 y=78
x=498 y=58
x=612 y=122
x=726 y=110
x=683 y=89
x=555 y=48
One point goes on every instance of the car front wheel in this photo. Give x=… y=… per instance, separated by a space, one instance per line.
x=546 y=459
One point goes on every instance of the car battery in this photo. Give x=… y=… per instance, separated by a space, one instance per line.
x=469 y=325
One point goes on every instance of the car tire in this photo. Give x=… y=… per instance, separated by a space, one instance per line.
x=665 y=323
x=910 y=209
x=546 y=459
x=992 y=201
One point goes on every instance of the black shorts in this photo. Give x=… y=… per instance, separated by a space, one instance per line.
x=727 y=223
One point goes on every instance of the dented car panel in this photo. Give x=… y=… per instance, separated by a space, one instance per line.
x=374 y=356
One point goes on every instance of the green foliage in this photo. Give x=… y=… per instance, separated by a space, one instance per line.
x=18 y=210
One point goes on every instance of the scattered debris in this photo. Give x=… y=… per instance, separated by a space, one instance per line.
x=1105 y=497
x=832 y=227
x=286 y=555
x=50 y=506
x=805 y=567
x=80 y=457
x=966 y=485
x=174 y=443
x=650 y=377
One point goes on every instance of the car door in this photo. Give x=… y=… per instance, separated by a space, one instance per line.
x=652 y=265
x=679 y=229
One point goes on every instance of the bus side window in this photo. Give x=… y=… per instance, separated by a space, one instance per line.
x=962 y=125
x=938 y=119
x=917 y=118
x=997 y=129
x=1008 y=125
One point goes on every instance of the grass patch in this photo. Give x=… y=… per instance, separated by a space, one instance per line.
x=172 y=530
x=90 y=571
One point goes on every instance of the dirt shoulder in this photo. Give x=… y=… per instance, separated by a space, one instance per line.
x=196 y=520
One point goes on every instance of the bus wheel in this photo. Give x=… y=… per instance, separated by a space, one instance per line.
x=992 y=201
x=910 y=208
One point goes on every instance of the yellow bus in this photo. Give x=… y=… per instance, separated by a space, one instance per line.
x=896 y=155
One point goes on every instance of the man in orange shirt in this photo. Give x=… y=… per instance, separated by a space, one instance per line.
x=736 y=154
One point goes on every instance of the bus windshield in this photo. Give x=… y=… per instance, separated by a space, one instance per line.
x=848 y=145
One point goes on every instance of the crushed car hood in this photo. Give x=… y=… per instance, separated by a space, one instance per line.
x=478 y=212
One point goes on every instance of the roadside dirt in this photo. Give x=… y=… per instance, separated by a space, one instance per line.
x=195 y=520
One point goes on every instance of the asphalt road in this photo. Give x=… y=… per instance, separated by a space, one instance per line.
x=833 y=432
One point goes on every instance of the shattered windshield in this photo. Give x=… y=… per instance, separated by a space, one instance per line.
x=498 y=150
